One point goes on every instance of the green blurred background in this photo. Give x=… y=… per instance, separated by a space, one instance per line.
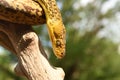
x=93 y=42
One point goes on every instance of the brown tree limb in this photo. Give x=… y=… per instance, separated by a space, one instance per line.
x=32 y=63
x=23 y=41
x=6 y=43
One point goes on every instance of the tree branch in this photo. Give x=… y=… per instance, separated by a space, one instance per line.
x=31 y=62
x=18 y=37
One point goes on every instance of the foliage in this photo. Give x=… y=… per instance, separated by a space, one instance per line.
x=88 y=57
x=6 y=73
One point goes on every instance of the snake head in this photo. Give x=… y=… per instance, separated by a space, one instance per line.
x=57 y=34
x=59 y=41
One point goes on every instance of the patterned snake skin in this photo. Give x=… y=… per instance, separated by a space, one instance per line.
x=30 y=12
x=22 y=12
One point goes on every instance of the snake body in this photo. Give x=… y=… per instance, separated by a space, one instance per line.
x=21 y=12
x=18 y=11
x=55 y=26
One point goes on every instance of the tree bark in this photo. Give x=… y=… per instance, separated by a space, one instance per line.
x=32 y=63
x=21 y=40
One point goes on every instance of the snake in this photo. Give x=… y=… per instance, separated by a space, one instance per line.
x=56 y=28
x=13 y=12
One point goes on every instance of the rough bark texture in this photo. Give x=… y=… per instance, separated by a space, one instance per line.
x=21 y=40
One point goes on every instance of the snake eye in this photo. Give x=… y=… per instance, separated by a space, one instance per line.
x=58 y=43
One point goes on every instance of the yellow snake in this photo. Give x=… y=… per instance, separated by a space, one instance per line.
x=55 y=26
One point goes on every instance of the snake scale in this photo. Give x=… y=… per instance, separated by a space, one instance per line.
x=52 y=17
